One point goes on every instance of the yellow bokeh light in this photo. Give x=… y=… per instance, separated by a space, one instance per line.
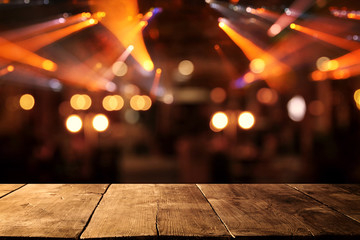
x=257 y=65
x=147 y=104
x=134 y=102
x=119 y=68
x=10 y=68
x=219 y=121
x=186 y=67
x=221 y=24
x=293 y=26
x=148 y=65
x=100 y=122
x=332 y=65
x=80 y=102
x=74 y=123
x=49 y=65
x=113 y=103
x=357 y=96
x=27 y=102
x=246 y=120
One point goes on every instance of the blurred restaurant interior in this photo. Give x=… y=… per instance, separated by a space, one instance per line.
x=181 y=91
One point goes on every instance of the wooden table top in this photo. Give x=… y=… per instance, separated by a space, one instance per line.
x=174 y=211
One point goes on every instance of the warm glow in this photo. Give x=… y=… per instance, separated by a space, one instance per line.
x=27 y=102
x=293 y=26
x=48 y=65
x=119 y=69
x=267 y=96
x=168 y=98
x=246 y=120
x=186 y=67
x=218 y=95
x=80 y=102
x=113 y=103
x=100 y=122
x=148 y=65
x=219 y=121
x=10 y=68
x=329 y=38
x=257 y=65
x=74 y=123
x=221 y=24
x=296 y=108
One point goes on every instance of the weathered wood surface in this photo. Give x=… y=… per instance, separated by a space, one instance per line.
x=342 y=198
x=185 y=212
x=7 y=188
x=180 y=211
x=48 y=210
x=278 y=211
x=125 y=211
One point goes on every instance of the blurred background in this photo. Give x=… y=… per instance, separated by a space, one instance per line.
x=179 y=91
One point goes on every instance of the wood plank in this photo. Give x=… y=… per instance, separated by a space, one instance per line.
x=278 y=211
x=7 y=188
x=48 y=210
x=126 y=210
x=342 y=198
x=184 y=212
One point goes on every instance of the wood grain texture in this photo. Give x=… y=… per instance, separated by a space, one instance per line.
x=184 y=212
x=126 y=210
x=7 y=188
x=342 y=198
x=278 y=211
x=48 y=210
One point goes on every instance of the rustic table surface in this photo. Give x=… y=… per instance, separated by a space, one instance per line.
x=179 y=211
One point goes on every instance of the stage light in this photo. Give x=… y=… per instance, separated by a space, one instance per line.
x=246 y=120
x=74 y=123
x=100 y=122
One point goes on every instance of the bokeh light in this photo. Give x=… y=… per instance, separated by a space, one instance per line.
x=10 y=68
x=148 y=103
x=218 y=95
x=140 y=103
x=27 y=102
x=80 y=102
x=257 y=65
x=74 y=123
x=357 y=98
x=100 y=122
x=113 y=103
x=296 y=108
x=119 y=69
x=267 y=96
x=246 y=120
x=168 y=98
x=219 y=121
x=186 y=67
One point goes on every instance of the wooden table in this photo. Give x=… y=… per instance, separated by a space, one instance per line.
x=179 y=211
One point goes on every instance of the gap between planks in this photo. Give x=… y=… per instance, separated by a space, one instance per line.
x=326 y=205
x=13 y=191
x=92 y=213
x=226 y=227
